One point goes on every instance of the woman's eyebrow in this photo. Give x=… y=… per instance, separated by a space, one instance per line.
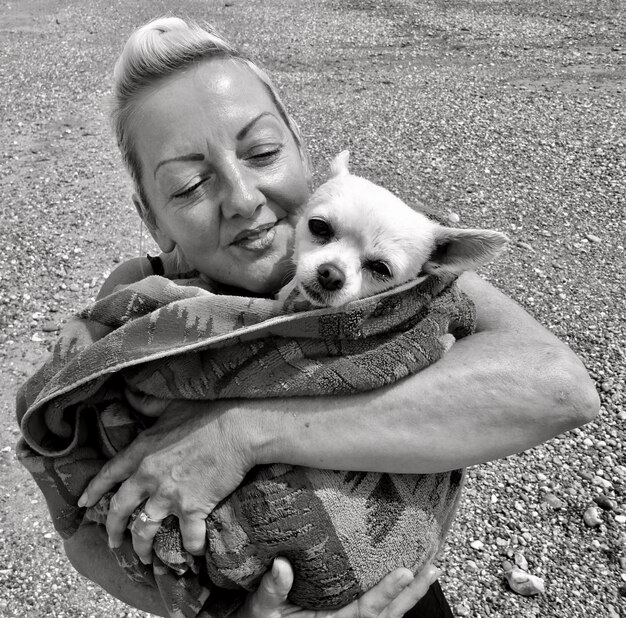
x=194 y=156
x=243 y=132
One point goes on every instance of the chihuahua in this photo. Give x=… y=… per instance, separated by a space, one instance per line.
x=355 y=239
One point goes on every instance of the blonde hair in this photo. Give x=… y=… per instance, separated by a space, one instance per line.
x=157 y=50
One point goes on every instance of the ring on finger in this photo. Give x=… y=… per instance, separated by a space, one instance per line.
x=143 y=518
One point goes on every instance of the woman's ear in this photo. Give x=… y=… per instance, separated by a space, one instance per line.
x=166 y=244
x=458 y=250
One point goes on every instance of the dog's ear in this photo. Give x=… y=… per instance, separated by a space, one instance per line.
x=458 y=250
x=339 y=165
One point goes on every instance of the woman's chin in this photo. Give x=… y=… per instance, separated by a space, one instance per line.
x=261 y=266
x=270 y=271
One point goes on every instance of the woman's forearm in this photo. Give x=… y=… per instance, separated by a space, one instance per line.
x=507 y=388
x=89 y=554
x=456 y=414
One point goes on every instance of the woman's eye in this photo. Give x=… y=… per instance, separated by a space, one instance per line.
x=188 y=191
x=378 y=268
x=265 y=156
x=320 y=229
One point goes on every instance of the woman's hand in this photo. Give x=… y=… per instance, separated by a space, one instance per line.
x=185 y=464
x=392 y=597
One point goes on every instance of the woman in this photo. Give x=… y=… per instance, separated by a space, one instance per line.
x=220 y=172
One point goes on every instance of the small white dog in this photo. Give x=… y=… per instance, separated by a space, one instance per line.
x=355 y=239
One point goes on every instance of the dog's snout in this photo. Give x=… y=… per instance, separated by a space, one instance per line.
x=330 y=277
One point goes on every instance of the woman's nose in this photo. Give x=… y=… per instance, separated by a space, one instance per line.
x=240 y=192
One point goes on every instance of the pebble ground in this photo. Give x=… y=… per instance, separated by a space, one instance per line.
x=508 y=114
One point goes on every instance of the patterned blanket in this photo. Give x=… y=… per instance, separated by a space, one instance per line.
x=342 y=531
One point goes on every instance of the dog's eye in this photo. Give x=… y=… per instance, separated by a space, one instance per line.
x=378 y=268
x=320 y=228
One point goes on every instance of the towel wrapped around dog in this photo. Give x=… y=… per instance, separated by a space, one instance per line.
x=342 y=531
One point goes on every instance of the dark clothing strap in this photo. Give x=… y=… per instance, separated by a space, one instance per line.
x=157 y=265
x=432 y=605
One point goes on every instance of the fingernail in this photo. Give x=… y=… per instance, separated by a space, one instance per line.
x=82 y=501
x=114 y=544
x=406 y=579
x=275 y=570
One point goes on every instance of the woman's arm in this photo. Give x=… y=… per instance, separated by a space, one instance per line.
x=127 y=272
x=139 y=268
x=509 y=387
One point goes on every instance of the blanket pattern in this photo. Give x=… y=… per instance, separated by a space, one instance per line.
x=342 y=531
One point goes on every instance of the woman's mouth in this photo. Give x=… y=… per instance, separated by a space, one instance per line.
x=256 y=239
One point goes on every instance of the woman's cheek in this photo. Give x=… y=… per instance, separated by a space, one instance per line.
x=198 y=239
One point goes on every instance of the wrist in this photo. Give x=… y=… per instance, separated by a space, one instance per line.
x=261 y=432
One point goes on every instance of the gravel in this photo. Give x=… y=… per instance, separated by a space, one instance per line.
x=498 y=114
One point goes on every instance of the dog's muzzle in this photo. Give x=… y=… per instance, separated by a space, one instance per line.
x=330 y=278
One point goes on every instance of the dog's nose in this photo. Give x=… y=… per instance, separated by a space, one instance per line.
x=330 y=277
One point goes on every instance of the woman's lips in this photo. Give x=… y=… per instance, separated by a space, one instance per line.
x=256 y=239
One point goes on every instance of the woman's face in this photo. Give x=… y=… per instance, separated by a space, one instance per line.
x=222 y=173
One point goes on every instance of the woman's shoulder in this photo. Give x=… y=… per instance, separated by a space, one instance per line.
x=125 y=273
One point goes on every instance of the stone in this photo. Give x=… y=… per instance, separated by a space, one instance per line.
x=461 y=610
x=604 y=502
x=478 y=545
x=601 y=482
x=525 y=245
x=553 y=501
x=591 y=517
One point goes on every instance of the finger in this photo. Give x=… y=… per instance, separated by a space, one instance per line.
x=128 y=497
x=114 y=471
x=146 y=404
x=272 y=593
x=410 y=596
x=193 y=531
x=144 y=529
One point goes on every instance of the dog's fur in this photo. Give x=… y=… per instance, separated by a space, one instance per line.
x=355 y=239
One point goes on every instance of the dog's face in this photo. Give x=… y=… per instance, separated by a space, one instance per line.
x=355 y=239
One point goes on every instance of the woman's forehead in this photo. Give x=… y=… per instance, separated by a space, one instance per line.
x=219 y=96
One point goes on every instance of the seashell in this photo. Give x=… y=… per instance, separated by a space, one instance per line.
x=524 y=583
x=520 y=561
